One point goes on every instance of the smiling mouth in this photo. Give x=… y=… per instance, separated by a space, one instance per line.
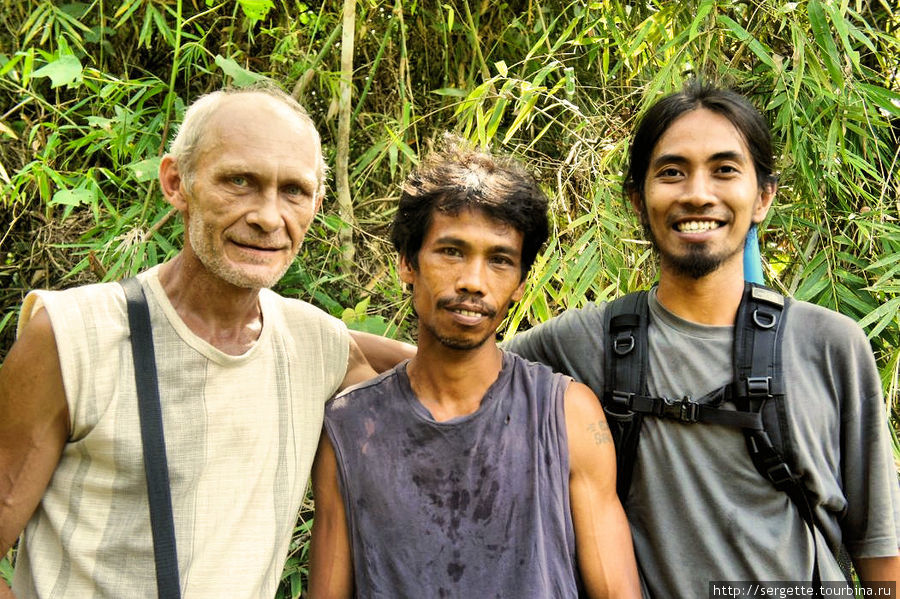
x=697 y=226
x=466 y=309
x=470 y=313
x=256 y=248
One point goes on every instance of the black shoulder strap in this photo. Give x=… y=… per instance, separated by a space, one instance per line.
x=759 y=388
x=155 y=464
x=758 y=381
x=625 y=378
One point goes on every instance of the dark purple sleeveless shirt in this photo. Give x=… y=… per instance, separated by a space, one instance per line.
x=475 y=507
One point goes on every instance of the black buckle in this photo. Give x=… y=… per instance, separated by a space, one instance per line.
x=621 y=399
x=623 y=343
x=683 y=410
x=759 y=386
x=780 y=475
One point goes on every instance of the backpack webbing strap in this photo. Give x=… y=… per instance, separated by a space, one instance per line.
x=155 y=464
x=757 y=390
x=625 y=362
x=759 y=387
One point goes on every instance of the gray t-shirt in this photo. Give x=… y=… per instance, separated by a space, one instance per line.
x=475 y=506
x=698 y=508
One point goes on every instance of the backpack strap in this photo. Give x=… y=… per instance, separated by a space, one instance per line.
x=757 y=391
x=156 y=467
x=625 y=379
x=759 y=388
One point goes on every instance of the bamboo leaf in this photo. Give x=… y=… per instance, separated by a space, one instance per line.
x=239 y=75
x=762 y=52
x=702 y=12
x=824 y=39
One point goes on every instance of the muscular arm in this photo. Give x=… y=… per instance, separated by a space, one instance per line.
x=358 y=368
x=331 y=564
x=874 y=570
x=33 y=429
x=602 y=536
x=382 y=353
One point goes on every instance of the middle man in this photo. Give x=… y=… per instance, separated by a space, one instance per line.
x=468 y=471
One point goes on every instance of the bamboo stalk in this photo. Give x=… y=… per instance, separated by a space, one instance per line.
x=342 y=174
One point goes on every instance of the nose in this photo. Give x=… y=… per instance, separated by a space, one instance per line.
x=699 y=190
x=265 y=214
x=471 y=277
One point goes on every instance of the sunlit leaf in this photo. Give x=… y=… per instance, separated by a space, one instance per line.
x=240 y=76
x=65 y=70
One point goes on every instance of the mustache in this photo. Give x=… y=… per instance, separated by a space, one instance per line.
x=469 y=301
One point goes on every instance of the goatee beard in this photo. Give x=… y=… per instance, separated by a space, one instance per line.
x=696 y=264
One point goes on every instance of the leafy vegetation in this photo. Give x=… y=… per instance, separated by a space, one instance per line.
x=91 y=92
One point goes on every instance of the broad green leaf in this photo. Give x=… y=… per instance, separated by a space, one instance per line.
x=74 y=197
x=256 y=10
x=146 y=170
x=239 y=75
x=65 y=70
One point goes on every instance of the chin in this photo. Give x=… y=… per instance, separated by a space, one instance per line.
x=250 y=280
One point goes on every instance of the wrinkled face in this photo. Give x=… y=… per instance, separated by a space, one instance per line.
x=254 y=191
x=469 y=271
x=701 y=195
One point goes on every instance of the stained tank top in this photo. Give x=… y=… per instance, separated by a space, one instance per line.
x=476 y=506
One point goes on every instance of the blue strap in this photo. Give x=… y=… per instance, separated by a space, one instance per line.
x=752 y=260
x=156 y=466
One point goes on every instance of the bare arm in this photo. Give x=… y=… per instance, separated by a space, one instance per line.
x=602 y=537
x=358 y=368
x=331 y=563
x=381 y=352
x=875 y=570
x=33 y=429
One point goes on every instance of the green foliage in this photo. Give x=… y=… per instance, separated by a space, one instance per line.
x=92 y=93
x=6 y=570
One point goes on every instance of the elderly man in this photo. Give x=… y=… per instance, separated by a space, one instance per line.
x=243 y=375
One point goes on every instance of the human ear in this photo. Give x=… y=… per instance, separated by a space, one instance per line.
x=636 y=199
x=406 y=270
x=519 y=292
x=170 y=181
x=764 y=201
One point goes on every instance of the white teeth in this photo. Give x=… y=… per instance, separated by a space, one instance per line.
x=467 y=313
x=694 y=226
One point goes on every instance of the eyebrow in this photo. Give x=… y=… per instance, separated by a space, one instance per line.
x=679 y=159
x=460 y=243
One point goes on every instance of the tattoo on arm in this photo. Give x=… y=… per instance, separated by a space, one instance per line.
x=600 y=432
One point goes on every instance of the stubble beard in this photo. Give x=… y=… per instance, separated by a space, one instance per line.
x=200 y=234
x=458 y=343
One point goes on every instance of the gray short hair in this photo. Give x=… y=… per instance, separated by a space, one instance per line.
x=185 y=148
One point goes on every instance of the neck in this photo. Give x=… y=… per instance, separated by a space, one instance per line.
x=226 y=316
x=451 y=382
x=710 y=300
